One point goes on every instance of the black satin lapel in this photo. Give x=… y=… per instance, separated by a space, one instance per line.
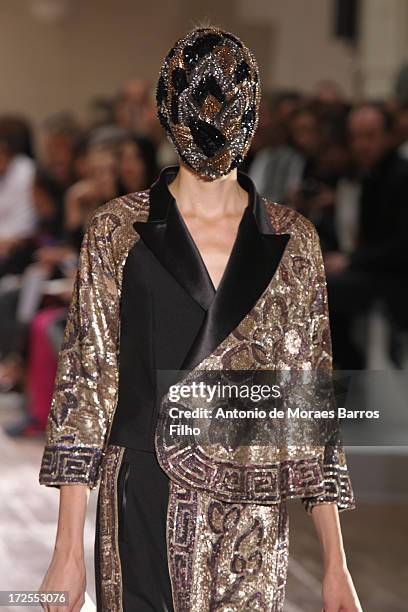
x=254 y=260
x=166 y=236
x=255 y=256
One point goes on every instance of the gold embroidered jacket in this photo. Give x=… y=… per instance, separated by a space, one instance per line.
x=143 y=302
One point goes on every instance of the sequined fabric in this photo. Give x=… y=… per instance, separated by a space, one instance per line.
x=108 y=531
x=226 y=556
x=208 y=95
x=86 y=383
x=287 y=330
x=226 y=525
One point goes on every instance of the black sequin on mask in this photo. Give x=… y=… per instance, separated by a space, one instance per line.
x=248 y=119
x=241 y=72
x=200 y=47
x=174 y=110
x=206 y=136
x=161 y=90
x=206 y=86
x=179 y=79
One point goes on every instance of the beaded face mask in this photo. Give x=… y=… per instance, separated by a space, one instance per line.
x=208 y=95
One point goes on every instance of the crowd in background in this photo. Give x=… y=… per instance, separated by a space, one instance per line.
x=342 y=165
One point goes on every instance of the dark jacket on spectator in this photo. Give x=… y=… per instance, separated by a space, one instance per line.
x=383 y=221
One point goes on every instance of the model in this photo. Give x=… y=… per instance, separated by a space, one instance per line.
x=198 y=273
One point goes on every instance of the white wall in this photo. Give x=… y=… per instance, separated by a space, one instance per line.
x=305 y=50
x=46 y=68
x=384 y=43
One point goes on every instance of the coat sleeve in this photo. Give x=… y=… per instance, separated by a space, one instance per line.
x=337 y=482
x=85 y=387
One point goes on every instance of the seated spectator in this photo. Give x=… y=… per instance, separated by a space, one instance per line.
x=276 y=168
x=373 y=264
x=48 y=210
x=134 y=170
x=17 y=214
x=30 y=263
x=61 y=132
x=307 y=140
x=41 y=370
x=21 y=132
x=137 y=164
x=130 y=105
x=318 y=192
x=99 y=185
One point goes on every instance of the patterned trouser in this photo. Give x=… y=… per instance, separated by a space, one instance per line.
x=164 y=548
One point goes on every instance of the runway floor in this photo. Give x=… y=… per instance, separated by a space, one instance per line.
x=376 y=538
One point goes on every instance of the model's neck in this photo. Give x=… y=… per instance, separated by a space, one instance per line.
x=208 y=199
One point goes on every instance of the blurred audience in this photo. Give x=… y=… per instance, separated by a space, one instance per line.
x=342 y=165
x=401 y=130
x=277 y=166
x=371 y=267
x=60 y=135
x=17 y=218
x=137 y=164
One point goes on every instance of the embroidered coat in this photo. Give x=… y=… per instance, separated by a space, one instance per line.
x=143 y=302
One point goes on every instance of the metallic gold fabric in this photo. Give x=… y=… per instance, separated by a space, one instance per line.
x=225 y=547
x=108 y=527
x=287 y=330
x=86 y=384
x=226 y=556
